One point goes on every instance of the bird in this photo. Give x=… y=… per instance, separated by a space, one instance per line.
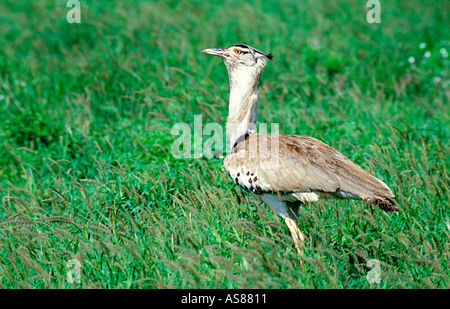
x=285 y=170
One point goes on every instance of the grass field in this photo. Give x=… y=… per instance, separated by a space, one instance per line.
x=87 y=174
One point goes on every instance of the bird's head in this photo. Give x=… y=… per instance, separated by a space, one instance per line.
x=240 y=55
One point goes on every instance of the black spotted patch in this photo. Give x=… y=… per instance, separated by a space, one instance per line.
x=247 y=180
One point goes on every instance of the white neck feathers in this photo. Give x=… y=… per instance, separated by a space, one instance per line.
x=242 y=111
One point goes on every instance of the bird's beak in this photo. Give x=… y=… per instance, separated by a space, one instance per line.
x=213 y=51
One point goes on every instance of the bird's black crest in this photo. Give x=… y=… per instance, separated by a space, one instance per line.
x=269 y=56
x=242 y=46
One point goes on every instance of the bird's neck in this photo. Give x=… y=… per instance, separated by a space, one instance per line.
x=242 y=110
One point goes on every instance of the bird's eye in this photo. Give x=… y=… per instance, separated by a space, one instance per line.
x=237 y=51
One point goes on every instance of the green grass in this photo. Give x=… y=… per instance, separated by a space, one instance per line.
x=86 y=171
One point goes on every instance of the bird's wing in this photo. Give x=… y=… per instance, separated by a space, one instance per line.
x=291 y=163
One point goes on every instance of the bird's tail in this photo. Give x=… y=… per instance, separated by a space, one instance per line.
x=384 y=203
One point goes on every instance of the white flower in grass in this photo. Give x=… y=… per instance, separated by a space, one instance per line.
x=411 y=60
x=427 y=54
x=422 y=45
x=443 y=52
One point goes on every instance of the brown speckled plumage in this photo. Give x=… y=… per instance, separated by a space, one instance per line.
x=305 y=164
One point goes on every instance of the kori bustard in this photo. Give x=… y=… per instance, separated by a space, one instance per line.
x=285 y=170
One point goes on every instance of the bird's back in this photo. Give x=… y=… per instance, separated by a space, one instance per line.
x=302 y=168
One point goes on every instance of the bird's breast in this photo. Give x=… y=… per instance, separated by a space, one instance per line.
x=248 y=179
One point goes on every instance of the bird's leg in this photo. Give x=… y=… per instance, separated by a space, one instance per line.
x=288 y=211
x=297 y=235
x=292 y=222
